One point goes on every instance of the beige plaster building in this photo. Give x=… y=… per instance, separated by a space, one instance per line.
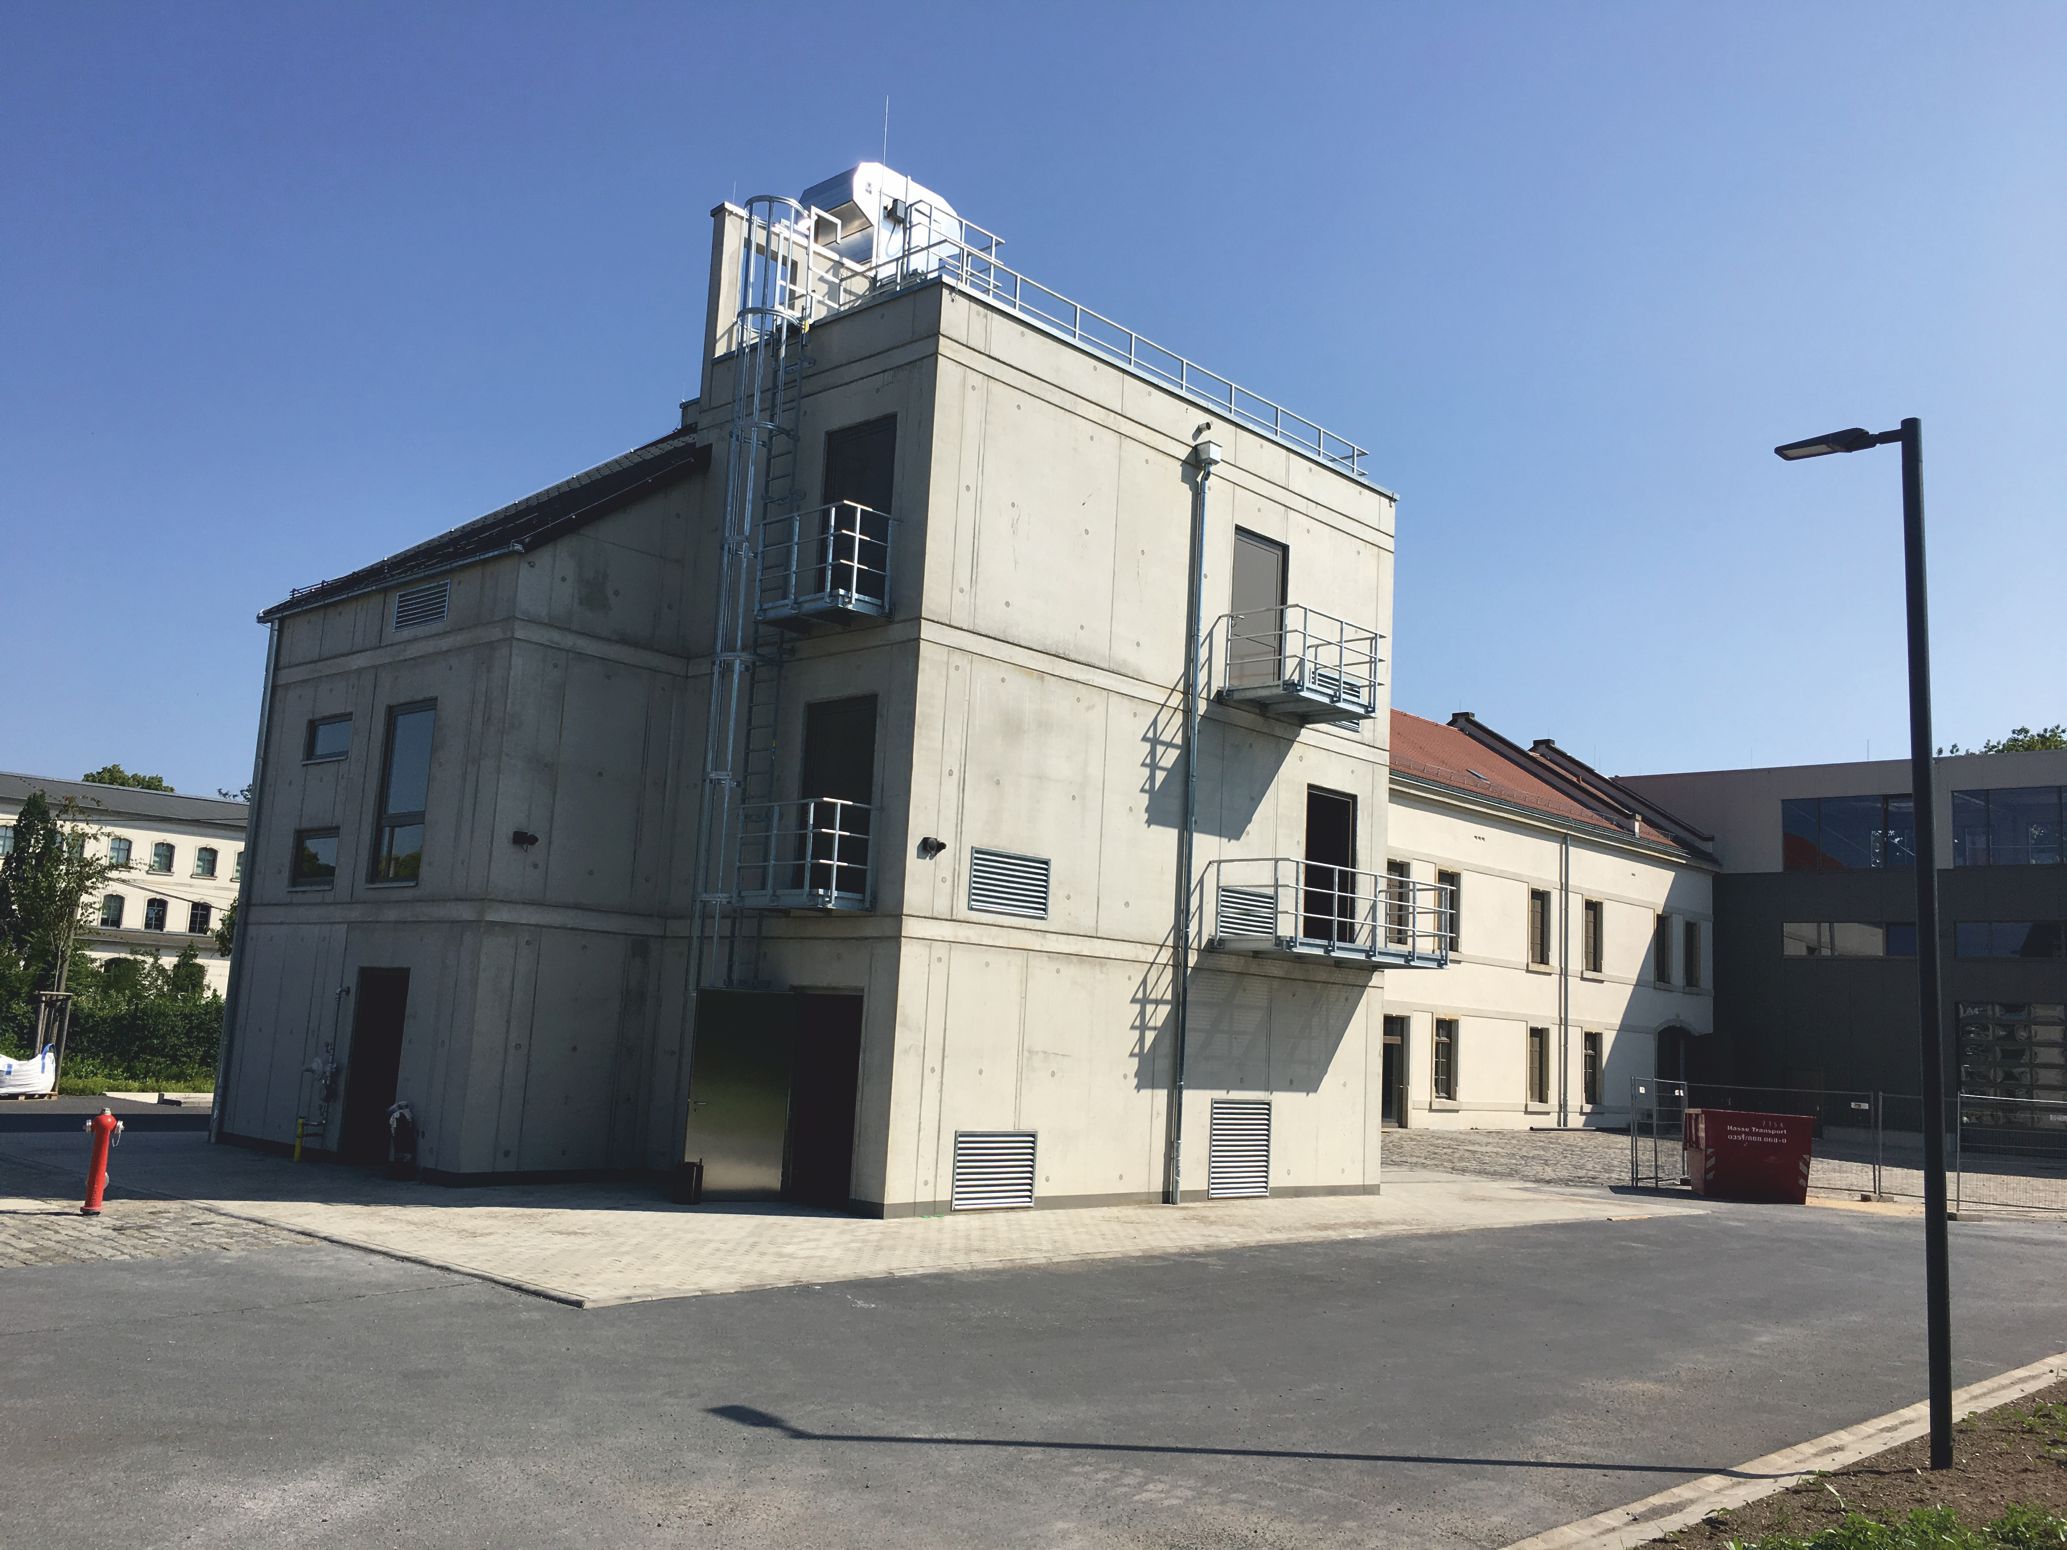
x=800 y=796
x=182 y=857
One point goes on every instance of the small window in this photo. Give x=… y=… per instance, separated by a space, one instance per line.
x=422 y=605
x=204 y=861
x=328 y=737
x=1589 y=1080
x=1445 y=1061
x=315 y=858
x=1539 y=927
x=1399 y=891
x=1691 y=954
x=1595 y=918
x=199 y=917
x=154 y=914
x=1450 y=908
x=1539 y=1065
x=237 y=868
x=161 y=858
x=6 y=839
x=111 y=912
x=118 y=851
x=1661 y=950
x=404 y=794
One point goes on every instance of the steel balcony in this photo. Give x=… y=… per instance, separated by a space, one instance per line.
x=1299 y=663
x=826 y=566
x=810 y=854
x=1283 y=907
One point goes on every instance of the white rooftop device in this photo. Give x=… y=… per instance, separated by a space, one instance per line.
x=873 y=214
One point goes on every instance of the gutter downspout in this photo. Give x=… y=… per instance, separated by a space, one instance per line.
x=1205 y=455
x=1564 y=982
x=232 y=996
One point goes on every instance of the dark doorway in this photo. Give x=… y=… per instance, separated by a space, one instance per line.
x=1672 y=1055
x=1392 y=1082
x=860 y=468
x=1328 y=908
x=374 y=1063
x=823 y=1089
x=773 y=1094
x=838 y=763
x=1256 y=642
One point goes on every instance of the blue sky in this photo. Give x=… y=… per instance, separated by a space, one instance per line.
x=286 y=288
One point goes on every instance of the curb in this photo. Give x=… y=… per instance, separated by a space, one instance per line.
x=1640 y=1522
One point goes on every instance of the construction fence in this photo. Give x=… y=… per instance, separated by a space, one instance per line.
x=2001 y=1154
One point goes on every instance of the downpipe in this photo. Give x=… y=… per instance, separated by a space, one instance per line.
x=1203 y=458
x=1564 y=981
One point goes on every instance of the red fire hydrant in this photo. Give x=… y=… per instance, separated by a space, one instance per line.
x=105 y=1128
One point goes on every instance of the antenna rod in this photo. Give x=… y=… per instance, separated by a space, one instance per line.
x=886 y=129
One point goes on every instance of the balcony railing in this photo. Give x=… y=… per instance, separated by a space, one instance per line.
x=810 y=854
x=826 y=565
x=1301 y=663
x=1281 y=906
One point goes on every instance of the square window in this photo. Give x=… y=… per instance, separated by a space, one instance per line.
x=154 y=914
x=161 y=858
x=204 y=861
x=199 y=917
x=118 y=851
x=328 y=737
x=315 y=859
x=111 y=912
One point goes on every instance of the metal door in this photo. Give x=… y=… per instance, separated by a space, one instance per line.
x=839 y=761
x=373 y=1063
x=1328 y=902
x=739 y=1096
x=1256 y=646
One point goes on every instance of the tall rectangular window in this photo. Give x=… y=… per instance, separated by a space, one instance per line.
x=111 y=911
x=405 y=785
x=237 y=868
x=1539 y=927
x=1589 y=1076
x=1691 y=954
x=1444 y=1064
x=118 y=851
x=328 y=737
x=1539 y=1065
x=154 y=914
x=200 y=919
x=315 y=859
x=1661 y=950
x=1398 y=889
x=1594 y=916
x=161 y=858
x=204 y=861
x=6 y=839
x=1450 y=908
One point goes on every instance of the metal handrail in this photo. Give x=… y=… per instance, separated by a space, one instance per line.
x=1312 y=904
x=947 y=253
x=1305 y=649
x=828 y=555
x=810 y=851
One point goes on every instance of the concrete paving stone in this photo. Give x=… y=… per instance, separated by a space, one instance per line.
x=40 y=1224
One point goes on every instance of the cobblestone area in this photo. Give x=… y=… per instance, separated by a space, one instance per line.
x=1529 y=1156
x=40 y=1224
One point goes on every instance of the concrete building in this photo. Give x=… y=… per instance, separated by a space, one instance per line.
x=801 y=795
x=1581 y=939
x=1816 y=921
x=183 y=857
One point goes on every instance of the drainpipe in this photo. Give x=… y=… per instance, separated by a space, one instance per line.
x=1205 y=456
x=231 y=992
x=1564 y=981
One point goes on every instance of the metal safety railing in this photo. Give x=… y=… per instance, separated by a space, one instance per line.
x=1285 y=905
x=833 y=560
x=1302 y=653
x=810 y=853
x=948 y=248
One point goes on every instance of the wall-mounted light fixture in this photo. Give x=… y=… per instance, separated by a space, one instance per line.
x=929 y=847
x=523 y=837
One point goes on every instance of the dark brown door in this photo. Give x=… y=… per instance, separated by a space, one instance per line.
x=373 y=1064
x=823 y=1089
x=861 y=468
x=839 y=763
x=1329 y=904
x=1256 y=645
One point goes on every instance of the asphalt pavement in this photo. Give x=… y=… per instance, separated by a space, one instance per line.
x=1453 y=1389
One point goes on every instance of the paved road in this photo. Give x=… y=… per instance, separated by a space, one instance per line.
x=1455 y=1389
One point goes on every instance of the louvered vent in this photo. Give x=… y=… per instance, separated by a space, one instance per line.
x=1005 y=884
x=422 y=605
x=994 y=1169
x=1247 y=912
x=1238 y=1156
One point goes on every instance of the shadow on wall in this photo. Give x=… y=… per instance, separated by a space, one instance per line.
x=1249 y=1032
x=1231 y=791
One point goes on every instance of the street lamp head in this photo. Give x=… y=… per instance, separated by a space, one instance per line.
x=1857 y=439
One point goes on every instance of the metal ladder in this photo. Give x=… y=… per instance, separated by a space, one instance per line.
x=742 y=734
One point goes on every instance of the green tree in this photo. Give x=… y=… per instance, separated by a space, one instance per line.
x=48 y=884
x=115 y=775
x=226 y=930
x=2020 y=740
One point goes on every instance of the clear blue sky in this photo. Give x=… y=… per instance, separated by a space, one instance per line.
x=285 y=288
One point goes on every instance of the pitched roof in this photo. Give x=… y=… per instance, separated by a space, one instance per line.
x=536 y=519
x=1486 y=765
x=125 y=801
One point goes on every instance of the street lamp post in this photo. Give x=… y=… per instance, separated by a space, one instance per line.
x=1923 y=789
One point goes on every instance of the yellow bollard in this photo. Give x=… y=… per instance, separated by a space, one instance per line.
x=297 y=1138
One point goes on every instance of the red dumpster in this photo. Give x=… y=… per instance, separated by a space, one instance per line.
x=1739 y=1154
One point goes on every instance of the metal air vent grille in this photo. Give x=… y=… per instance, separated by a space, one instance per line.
x=1238 y=1155
x=422 y=605
x=994 y=1169
x=1005 y=884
